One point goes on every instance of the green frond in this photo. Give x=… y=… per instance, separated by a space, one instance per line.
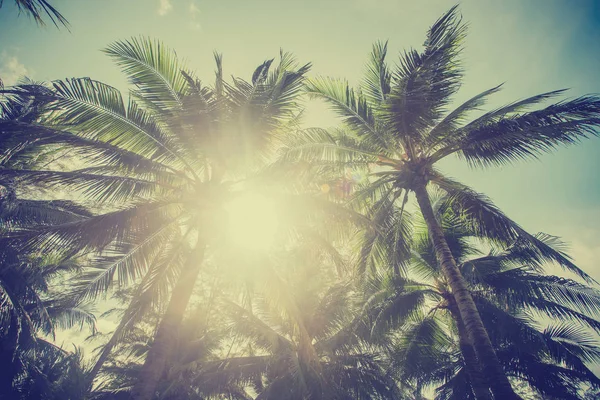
x=331 y=313
x=121 y=263
x=424 y=82
x=442 y=131
x=153 y=69
x=93 y=186
x=23 y=213
x=254 y=328
x=377 y=77
x=485 y=220
x=218 y=74
x=351 y=106
x=37 y=8
x=22 y=144
x=547 y=379
x=396 y=310
x=421 y=348
x=69 y=317
x=572 y=346
x=359 y=376
x=519 y=286
x=457 y=387
x=150 y=293
x=531 y=134
x=386 y=246
x=257 y=110
x=319 y=146
x=232 y=370
x=96 y=111
x=96 y=232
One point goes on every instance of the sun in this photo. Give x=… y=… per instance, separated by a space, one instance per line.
x=252 y=221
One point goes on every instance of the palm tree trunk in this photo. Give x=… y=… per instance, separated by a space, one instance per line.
x=492 y=369
x=472 y=366
x=168 y=328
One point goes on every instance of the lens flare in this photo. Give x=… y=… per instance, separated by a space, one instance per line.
x=252 y=221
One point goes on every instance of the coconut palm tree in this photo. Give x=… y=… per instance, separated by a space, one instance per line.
x=289 y=337
x=31 y=307
x=195 y=346
x=511 y=292
x=30 y=312
x=297 y=338
x=156 y=170
x=399 y=119
x=53 y=374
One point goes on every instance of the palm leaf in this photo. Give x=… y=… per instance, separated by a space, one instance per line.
x=153 y=69
x=484 y=219
x=424 y=82
x=530 y=134
x=351 y=106
x=37 y=8
x=377 y=80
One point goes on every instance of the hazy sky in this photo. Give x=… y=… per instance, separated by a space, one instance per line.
x=533 y=46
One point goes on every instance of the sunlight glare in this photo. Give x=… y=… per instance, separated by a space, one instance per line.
x=252 y=221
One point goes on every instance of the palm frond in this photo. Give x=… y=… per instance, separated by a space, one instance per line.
x=530 y=134
x=98 y=187
x=22 y=144
x=96 y=232
x=97 y=111
x=423 y=82
x=66 y=317
x=386 y=246
x=153 y=69
x=253 y=327
x=352 y=107
x=572 y=346
x=319 y=146
x=421 y=347
x=23 y=212
x=440 y=133
x=377 y=80
x=37 y=8
x=484 y=219
x=519 y=287
x=123 y=263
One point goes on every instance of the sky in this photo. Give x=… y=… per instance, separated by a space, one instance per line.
x=533 y=46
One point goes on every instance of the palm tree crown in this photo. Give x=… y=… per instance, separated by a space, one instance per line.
x=511 y=291
x=155 y=170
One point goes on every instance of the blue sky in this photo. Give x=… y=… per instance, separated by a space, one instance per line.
x=533 y=46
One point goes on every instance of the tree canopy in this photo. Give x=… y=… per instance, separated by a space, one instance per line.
x=242 y=255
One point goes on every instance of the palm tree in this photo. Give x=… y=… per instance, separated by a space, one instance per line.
x=195 y=346
x=156 y=170
x=399 y=120
x=511 y=293
x=297 y=338
x=31 y=306
x=31 y=312
x=52 y=373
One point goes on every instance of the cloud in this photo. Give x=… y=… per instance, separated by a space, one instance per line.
x=194 y=10
x=11 y=69
x=164 y=7
x=195 y=15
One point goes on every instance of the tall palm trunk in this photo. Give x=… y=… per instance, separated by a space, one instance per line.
x=168 y=328
x=492 y=369
x=472 y=366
